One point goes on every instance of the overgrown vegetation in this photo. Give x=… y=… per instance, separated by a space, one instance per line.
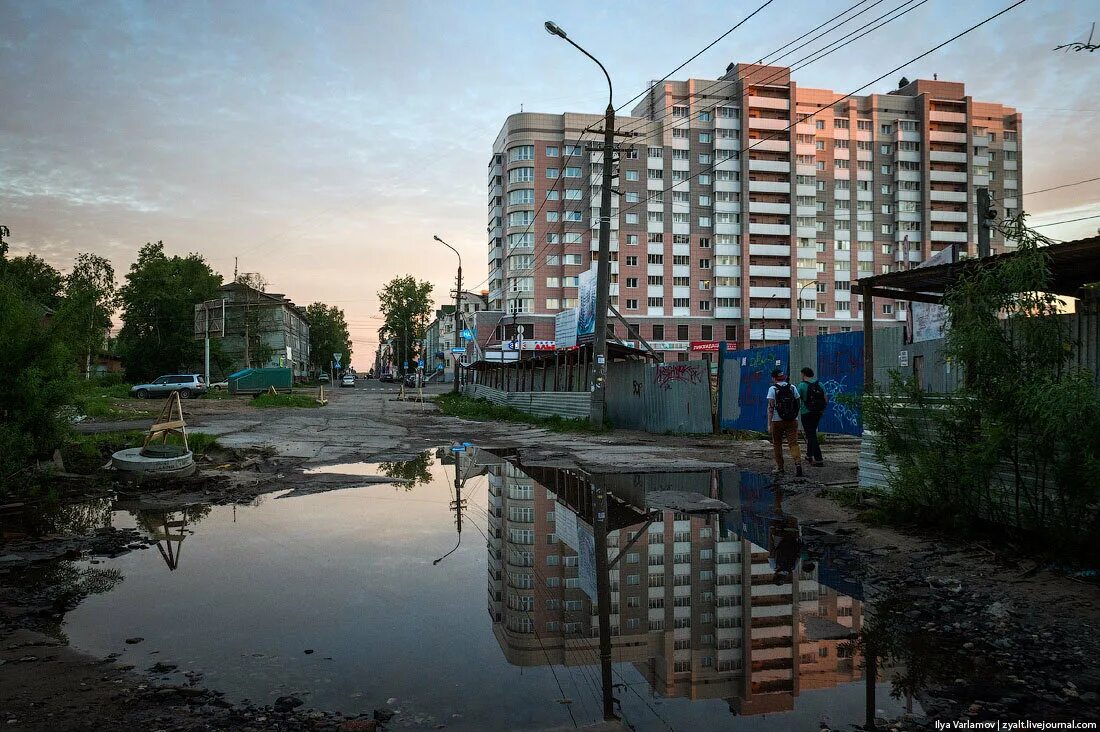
x=84 y=453
x=1019 y=443
x=268 y=399
x=485 y=411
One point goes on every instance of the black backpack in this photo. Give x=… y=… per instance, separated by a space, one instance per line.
x=786 y=401
x=816 y=401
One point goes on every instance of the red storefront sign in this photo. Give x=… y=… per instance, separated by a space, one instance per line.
x=711 y=346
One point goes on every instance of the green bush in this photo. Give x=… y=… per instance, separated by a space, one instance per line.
x=36 y=384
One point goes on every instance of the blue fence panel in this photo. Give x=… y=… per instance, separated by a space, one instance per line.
x=840 y=371
x=756 y=365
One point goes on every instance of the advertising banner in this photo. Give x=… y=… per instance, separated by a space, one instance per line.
x=586 y=308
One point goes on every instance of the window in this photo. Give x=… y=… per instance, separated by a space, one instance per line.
x=573 y=172
x=631 y=218
x=655 y=258
x=632 y=260
x=704 y=137
x=704 y=116
x=521 y=175
x=841 y=123
x=551 y=216
x=551 y=151
x=553 y=195
x=819 y=124
x=658 y=332
x=523 y=152
x=550 y=173
x=521 y=196
x=632 y=175
x=679 y=111
x=704 y=158
x=656 y=302
x=655 y=173
x=631 y=304
x=655 y=152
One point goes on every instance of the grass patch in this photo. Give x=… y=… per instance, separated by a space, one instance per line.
x=86 y=453
x=872 y=507
x=482 y=410
x=267 y=400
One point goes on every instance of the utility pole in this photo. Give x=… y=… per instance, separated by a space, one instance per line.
x=986 y=216
x=603 y=595
x=603 y=268
x=458 y=322
x=458 y=308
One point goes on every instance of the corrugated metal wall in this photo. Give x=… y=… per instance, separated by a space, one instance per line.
x=840 y=372
x=660 y=398
x=568 y=404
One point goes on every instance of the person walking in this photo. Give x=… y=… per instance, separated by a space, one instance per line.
x=813 y=400
x=783 y=420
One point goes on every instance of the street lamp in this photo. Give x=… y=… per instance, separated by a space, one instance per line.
x=458 y=305
x=603 y=268
x=798 y=302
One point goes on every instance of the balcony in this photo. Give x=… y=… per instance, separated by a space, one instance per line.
x=770 y=334
x=806 y=232
x=770 y=314
x=769 y=250
x=769 y=186
x=952 y=216
x=981 y=161
x=910 y=135
x=771 y=145
x=767 y=123
x=952 y=196
x=805 y=148
x=1010 y=165
x=769 y=103
x=779 y=293
x=949 y=236
x=769 y=208
x=770 y=166
x=911 y=156
x=954 y=117
x=942 y=136
x=942 y=156
x=980 y=140
x=770 y=229
x=769 y=270
x=947 y=176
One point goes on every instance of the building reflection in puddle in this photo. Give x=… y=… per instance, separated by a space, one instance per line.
x=704 y=605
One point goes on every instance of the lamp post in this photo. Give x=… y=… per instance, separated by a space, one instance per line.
x=458 y=305
x=603 y=268
x=798 y=302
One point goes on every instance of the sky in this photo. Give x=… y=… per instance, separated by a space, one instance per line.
x=323 y=144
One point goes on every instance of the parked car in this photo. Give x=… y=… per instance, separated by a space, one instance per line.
x=386 y=378
x=323 y=377
x=410 y=381
x=220 y=385
x=188 y=385
x=348 y=380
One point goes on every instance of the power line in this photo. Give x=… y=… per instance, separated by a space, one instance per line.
x=850 y=94
x=1067 y=221
x=706 y=48
x=770 y=77
x=1065 y=185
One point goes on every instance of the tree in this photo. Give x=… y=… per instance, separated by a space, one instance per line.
x=158 y=302
x=35 y=278
x=1019 y=443
x=903 y=82
x=406 y=305
x=35 y=384
x=85 y=312
x=328 y=334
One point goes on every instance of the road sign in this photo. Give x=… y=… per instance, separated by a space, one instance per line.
x=467 y=334
x=458 y=349
x=336 y=358
x=420 y=363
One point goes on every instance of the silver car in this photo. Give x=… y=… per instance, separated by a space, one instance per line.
x=188 y=385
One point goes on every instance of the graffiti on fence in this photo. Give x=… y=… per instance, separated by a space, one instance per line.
x=844 y=413
x=666 y=375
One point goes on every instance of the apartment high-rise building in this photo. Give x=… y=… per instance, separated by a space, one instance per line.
x=745 y=206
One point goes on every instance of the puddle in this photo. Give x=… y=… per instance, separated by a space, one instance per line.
x=466 y=592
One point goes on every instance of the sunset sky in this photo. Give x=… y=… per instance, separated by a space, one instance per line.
x=324 y=143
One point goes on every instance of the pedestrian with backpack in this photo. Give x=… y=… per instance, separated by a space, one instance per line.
x=783 y=410
x=814 y=400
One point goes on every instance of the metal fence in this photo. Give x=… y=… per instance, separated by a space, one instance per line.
x=661 y=397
